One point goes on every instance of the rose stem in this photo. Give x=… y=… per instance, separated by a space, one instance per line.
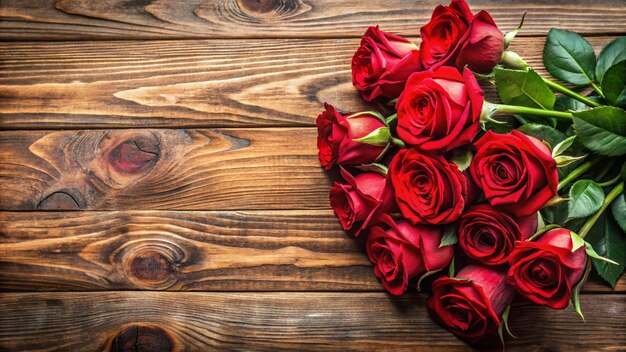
x=615 y=192
x=570 y=93
x=576 y=173
x=513 y=109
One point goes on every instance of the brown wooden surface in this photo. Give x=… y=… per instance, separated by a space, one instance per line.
x=282 y=322
x=220 y=169
x=191 y=83
x=187 y=162
x=120 y=19
x=217 y=251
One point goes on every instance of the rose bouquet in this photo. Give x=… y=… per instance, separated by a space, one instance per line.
x=480 y=202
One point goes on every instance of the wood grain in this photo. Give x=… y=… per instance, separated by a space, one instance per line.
x=194 y=83
x=281 y=322
x=163 y=250
x=222 y=169
x=236 y=251
x=152 y=19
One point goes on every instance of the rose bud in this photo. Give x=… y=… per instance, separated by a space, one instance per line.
x=441 y=36
x=515 y=171
x=440 y=109
x=483 y=48
x=545 y=271
x=382 y=64
x=363 y=196
x=471 y=305
x=429 y=189
x=488 y=235
x=337 y=137
x=401 y=251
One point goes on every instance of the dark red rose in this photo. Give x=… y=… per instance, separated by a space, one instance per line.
x=429 y=189
x=482 y=49
x=515 y=171
x=545 y=271
x=455 y=37
x=488 y=234
x=336 y=136
x=441 y=36
x=471 y=305
x=440 y=109
x=401 y=251
x=382 y=64
x=361 y=198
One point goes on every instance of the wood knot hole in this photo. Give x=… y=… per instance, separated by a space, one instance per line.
x=280 y=8
x=135 y=156
x=151 y=266
x=142 y=338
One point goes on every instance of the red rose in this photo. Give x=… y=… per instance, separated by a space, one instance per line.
x=471 y=305
x=440 y=109
x=515 y=171
x=545 y=271
x=401 y=251
x=357 y=201
x=488 y=235
x=455 y=37
x=336 y=136
x=429 y=189
x=382 y=64
x=482 y=50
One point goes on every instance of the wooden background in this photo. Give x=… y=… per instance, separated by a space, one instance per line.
x=160 y=189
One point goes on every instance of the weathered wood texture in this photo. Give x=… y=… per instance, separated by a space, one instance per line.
x=120 y=19
x=281 y=322
x=195 y=83
x=221 y=169
x=225 y=251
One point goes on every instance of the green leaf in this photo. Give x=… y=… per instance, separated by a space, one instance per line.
x=523 y=88
x=623 y=174
x=569 y=57
x=449 y=237
x=586 y=197
x=565 y=160
x=577 y=241
x=614 y=52
x=543 y=133
x=576 y=290
x=565 y=103
x=614 y=84
x=608 y=241
x=603 y=130
x=593 y=254
x=563 y=145
x=462 y=157
x=378 y=137
x=508 y=38
x=618 y=208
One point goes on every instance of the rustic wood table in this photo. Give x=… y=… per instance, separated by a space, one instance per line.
x=160 y=189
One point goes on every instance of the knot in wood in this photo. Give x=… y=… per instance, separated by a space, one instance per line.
x=142 y=338
x=151 y=264
x=270 y=8
x=135 y=156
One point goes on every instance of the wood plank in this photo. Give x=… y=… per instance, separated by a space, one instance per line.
x=117 y=19
x=280 y=322
x=196 y=83
x=287 y=250
x=222 y=169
